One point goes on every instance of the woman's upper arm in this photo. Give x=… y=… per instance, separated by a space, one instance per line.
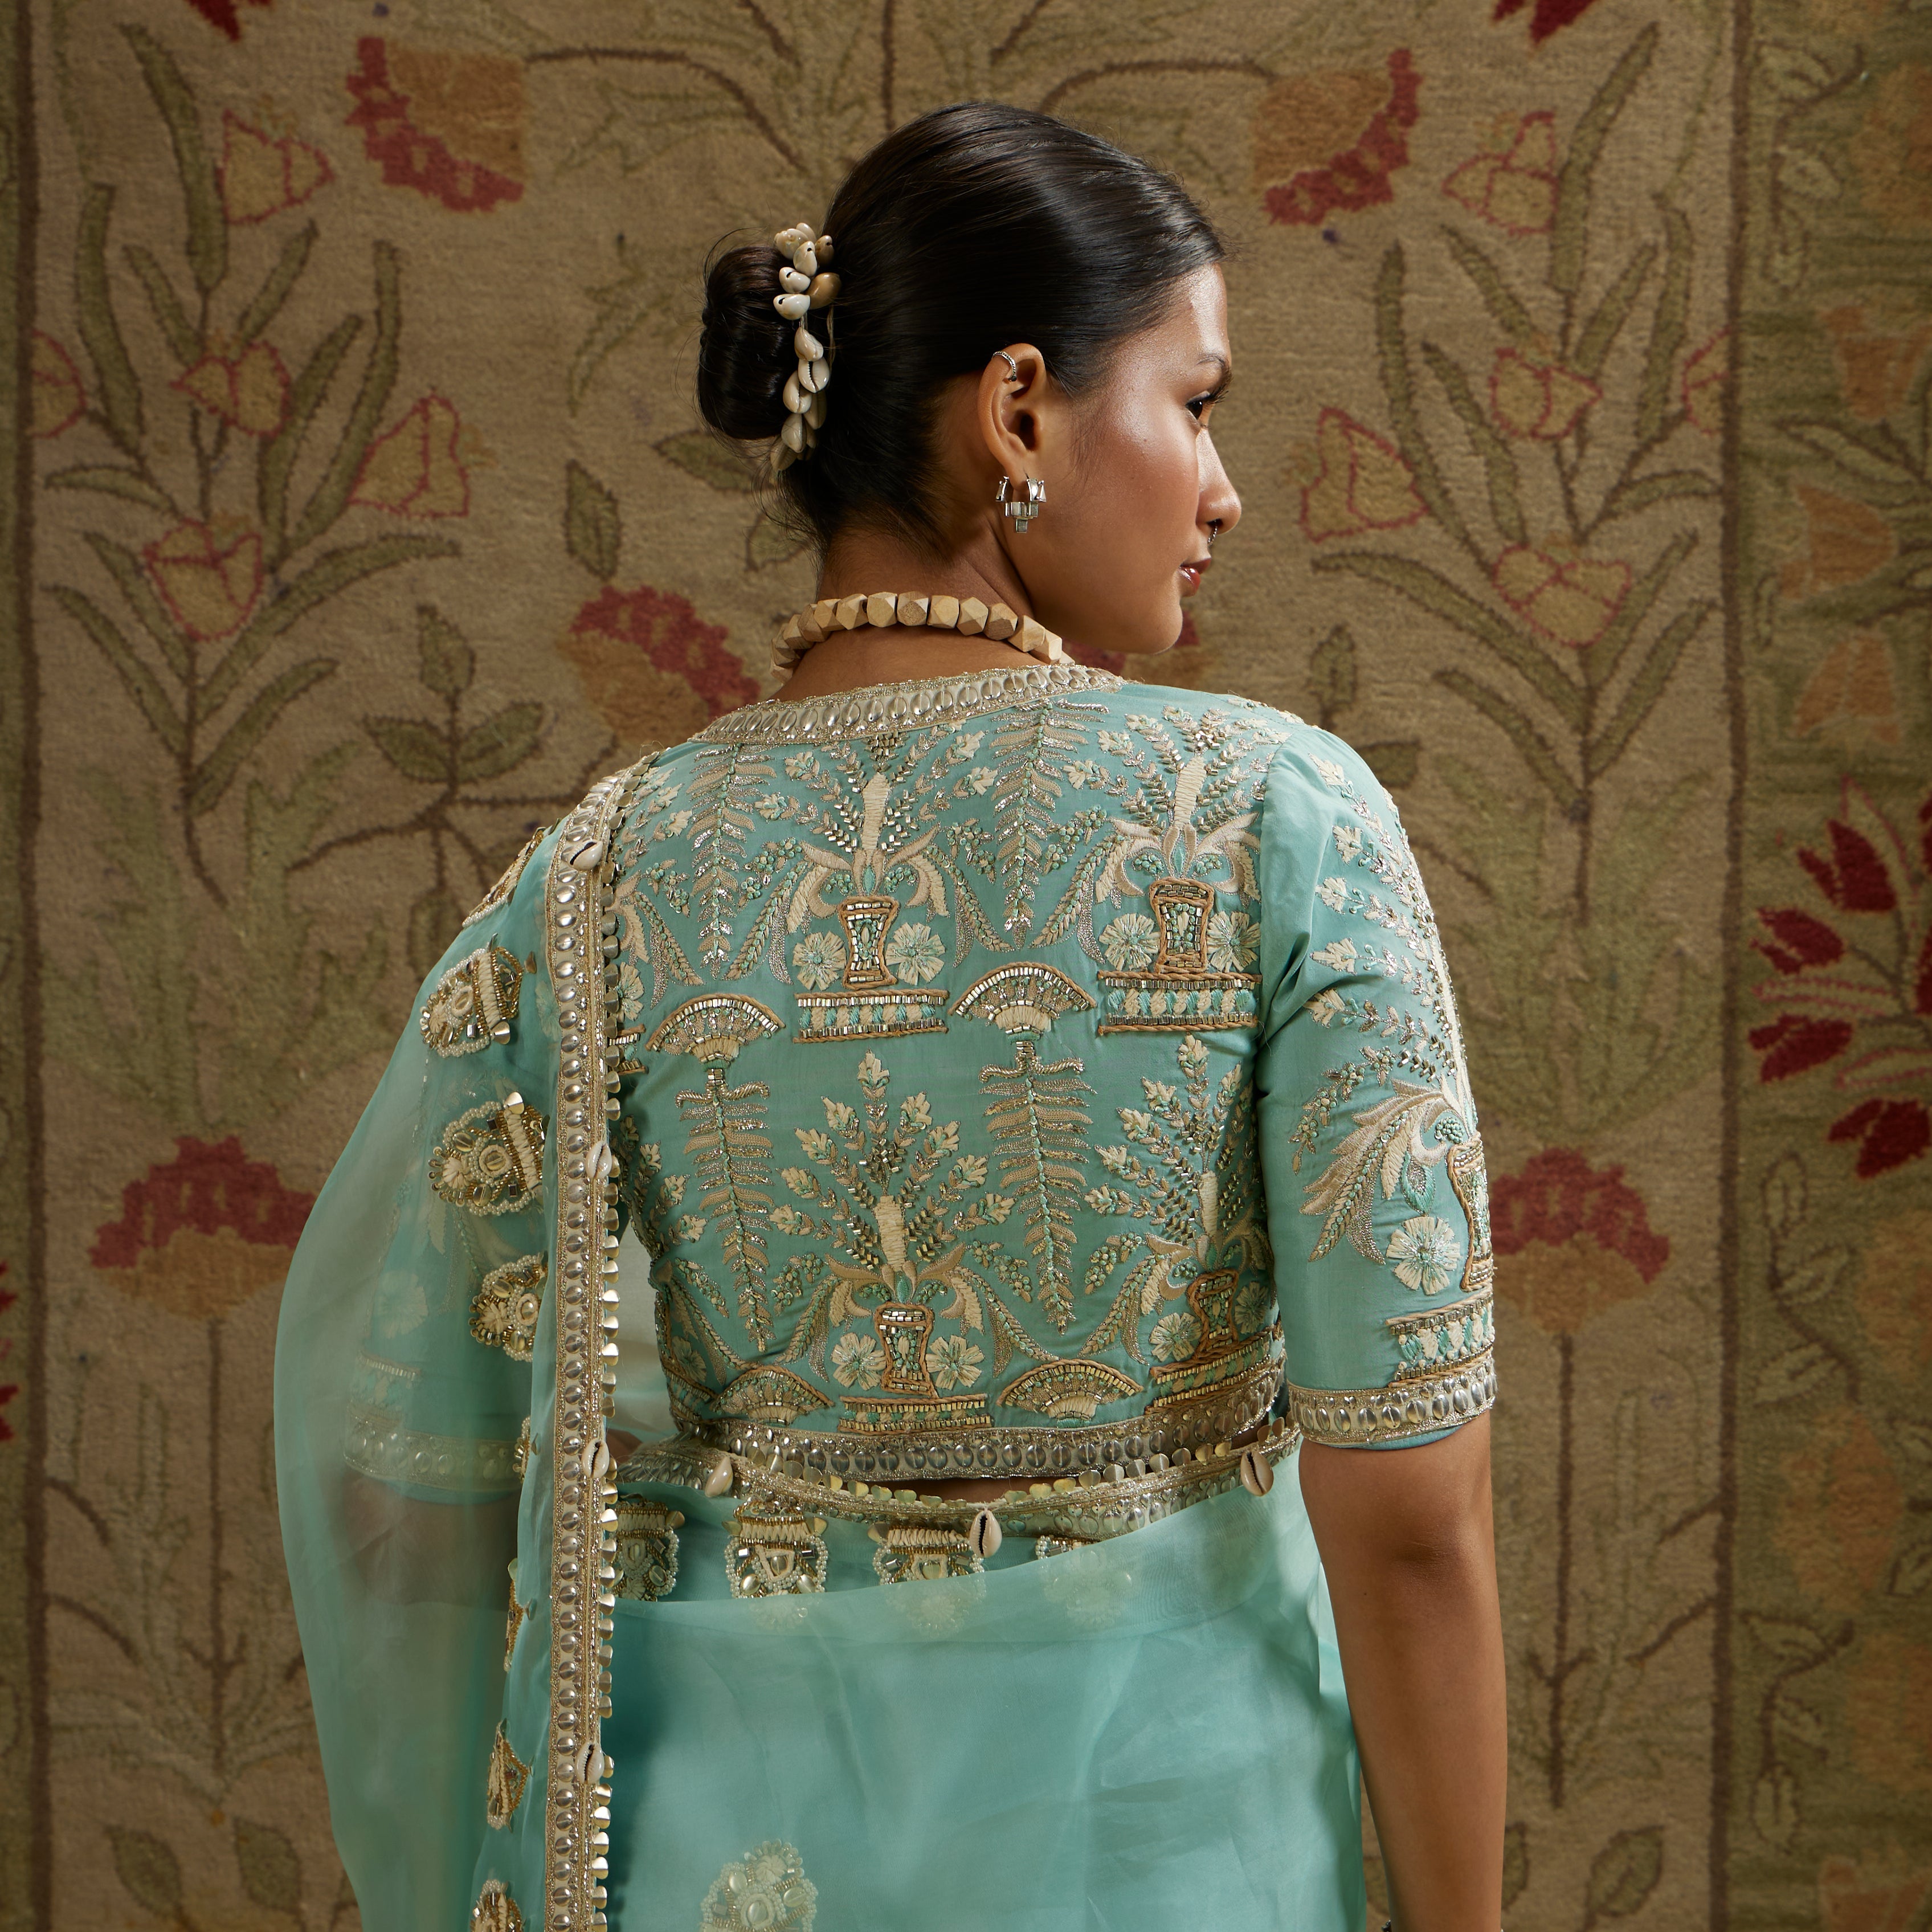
x=1377 y=1201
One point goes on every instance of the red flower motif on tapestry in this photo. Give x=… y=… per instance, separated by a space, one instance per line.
x=1569 y=600
x=1577 y=1240
x=1855 y=978
x=1535 y=399
x=451 y=126
x=223 y=14
x=651 y=668
x=1330 y=141
x=249 y=392
x=1559 y=1196
x=1550 y=15
x=199 y=1234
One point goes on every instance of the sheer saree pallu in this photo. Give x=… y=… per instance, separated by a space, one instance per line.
x=427 y=1483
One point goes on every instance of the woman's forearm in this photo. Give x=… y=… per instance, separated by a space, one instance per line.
x=1408 y=1542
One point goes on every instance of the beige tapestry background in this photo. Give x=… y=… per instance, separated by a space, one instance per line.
x=360 y=518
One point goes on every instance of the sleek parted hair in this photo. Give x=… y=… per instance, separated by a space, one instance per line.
x=973 y=227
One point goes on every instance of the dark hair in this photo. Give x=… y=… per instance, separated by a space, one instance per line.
x=973 y=226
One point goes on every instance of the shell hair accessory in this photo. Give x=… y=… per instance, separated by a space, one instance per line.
x=806 y=284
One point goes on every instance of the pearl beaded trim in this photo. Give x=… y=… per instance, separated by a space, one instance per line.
x=968 y=616
x=805 y=285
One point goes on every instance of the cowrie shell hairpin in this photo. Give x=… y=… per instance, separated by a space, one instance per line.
x=807 y=283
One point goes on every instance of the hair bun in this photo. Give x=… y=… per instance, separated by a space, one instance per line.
x=744 y=353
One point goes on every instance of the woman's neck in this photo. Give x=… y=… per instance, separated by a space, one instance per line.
x=864 y=560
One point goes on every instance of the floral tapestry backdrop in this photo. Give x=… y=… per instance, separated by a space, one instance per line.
x=361 y=516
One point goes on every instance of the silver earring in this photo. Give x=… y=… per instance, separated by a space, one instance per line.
x=1021 y=508
x=1011 y=365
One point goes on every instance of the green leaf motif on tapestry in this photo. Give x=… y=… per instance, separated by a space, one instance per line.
x=1395 y=761
x=593 y=532
x=275 y=289
x=207 y=225
x=1601 y=330
x=1331 y=676
x=1875 y=457
x=1795 y=1373
x=216 y=771
x=109 y=479
x=768 y=541
x=141 y=683
x=620 y=308
x=700 y=454
x=641 y=126
x=114 y=378
x=1668 y=322
x=1568 y=232
x=416 y=749
x=135 y=585
x=379 y=377
x=500 y=743
x=1913 y=1571
x=1623 y=1875
x=271 y=1870
x=448 y=665
x=164 y=304
x=1498 y=465
x=278 y=454
x=1505 y=310
x=149 y=1870
x=1392 y=356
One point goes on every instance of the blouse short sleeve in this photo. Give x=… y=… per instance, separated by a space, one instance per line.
x=1377 y=1201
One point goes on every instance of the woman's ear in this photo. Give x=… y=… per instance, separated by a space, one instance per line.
x=1020 y=410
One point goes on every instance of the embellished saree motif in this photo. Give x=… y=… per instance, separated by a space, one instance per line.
x=770 y=1554
x=474 y=1002
x=490 y=1159
x=495 y=1910
x=503 y=1312
x=912 y=1553
x=765 y=1891
x=647 y=1551
x=508 y=1774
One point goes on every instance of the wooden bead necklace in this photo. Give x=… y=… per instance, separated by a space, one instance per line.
x=969 y=616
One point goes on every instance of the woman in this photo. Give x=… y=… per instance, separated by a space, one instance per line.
x=1040 y=1098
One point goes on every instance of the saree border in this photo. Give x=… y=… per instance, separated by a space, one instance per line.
x=583 y=1576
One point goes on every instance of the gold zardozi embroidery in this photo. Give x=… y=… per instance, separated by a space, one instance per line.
x=508 y=1774
x=1420 y=1406
x=490 y=1159
x=1438 y=1338
x=499 y=893
x=503 y=1311
x=474 y=1002
x=513 y=1622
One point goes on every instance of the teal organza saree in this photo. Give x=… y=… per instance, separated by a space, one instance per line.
x=1022 y=1076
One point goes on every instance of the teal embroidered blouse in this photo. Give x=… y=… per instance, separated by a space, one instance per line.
x=1011 y=1059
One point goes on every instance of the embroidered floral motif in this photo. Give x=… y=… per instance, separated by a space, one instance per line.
x=508 y=1774
x=952 y=1362
x=474 y=1002
x=503 y=1312
x=490 y=1159
x=1036 y=1121
x=1425 y=1253
x=1190 y=1174
x=896 y=1197
x=646 y=1557
x=766 y=1890
x=857 y=1359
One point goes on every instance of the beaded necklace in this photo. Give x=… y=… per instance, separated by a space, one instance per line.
x=970 y=616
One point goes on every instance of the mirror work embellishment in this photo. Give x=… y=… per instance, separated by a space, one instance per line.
x=912 y=1553
x=474 y=1004
x=495 y=1910
x=769 y=1553
x=508 y=1774
x=490 y=1159
x=765 y=1891
x=503 y=1312
x=647 y=1557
